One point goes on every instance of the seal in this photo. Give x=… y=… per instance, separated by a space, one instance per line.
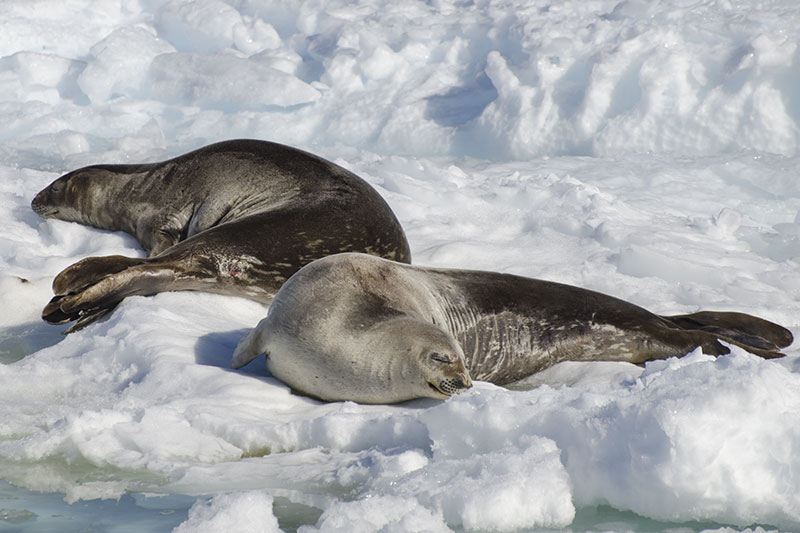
x=236 y=217
x=356 y=327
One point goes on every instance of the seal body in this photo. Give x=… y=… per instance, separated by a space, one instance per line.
x=359 y=310
x=236 y=217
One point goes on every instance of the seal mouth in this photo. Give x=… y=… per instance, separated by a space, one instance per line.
x=43 y=210
x=436 y=389
x=449 y=387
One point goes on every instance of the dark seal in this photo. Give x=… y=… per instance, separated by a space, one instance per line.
x=357 y=327
x=237 y=217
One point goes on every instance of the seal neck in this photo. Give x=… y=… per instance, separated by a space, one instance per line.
x=116 y=200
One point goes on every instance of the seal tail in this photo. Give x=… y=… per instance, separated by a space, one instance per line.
x=756 y=335
x=92 y=287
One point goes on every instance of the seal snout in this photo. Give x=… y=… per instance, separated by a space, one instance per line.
x=40 y=206
x=451 y=386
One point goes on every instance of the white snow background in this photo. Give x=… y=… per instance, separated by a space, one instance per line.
x=648 y=150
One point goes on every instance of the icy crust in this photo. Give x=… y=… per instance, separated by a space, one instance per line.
x=490 y=79
x=247 y=511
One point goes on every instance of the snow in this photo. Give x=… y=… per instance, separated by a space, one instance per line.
x=226 y=512
x=643 y=149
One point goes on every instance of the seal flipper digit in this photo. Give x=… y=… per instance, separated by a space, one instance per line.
x=53 y=314
x=748 y=331
x=87 y=319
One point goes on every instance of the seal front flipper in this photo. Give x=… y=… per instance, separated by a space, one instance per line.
x=250 y=347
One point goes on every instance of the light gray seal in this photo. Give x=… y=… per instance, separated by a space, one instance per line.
x=237 y=217
x=361 y=328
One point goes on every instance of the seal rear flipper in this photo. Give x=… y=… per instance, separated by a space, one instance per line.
x=87 y=319
x=91 y=303
x=53 y=314
x=751 y=333
x=89 y=271
x=711 y=347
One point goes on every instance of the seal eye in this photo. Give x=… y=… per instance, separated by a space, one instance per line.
x=56 y=187
x=441 y=358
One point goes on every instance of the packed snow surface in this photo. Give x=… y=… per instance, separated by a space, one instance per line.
x=645 y=149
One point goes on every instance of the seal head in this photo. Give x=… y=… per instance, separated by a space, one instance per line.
x=393 y=361
x=71 y=197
